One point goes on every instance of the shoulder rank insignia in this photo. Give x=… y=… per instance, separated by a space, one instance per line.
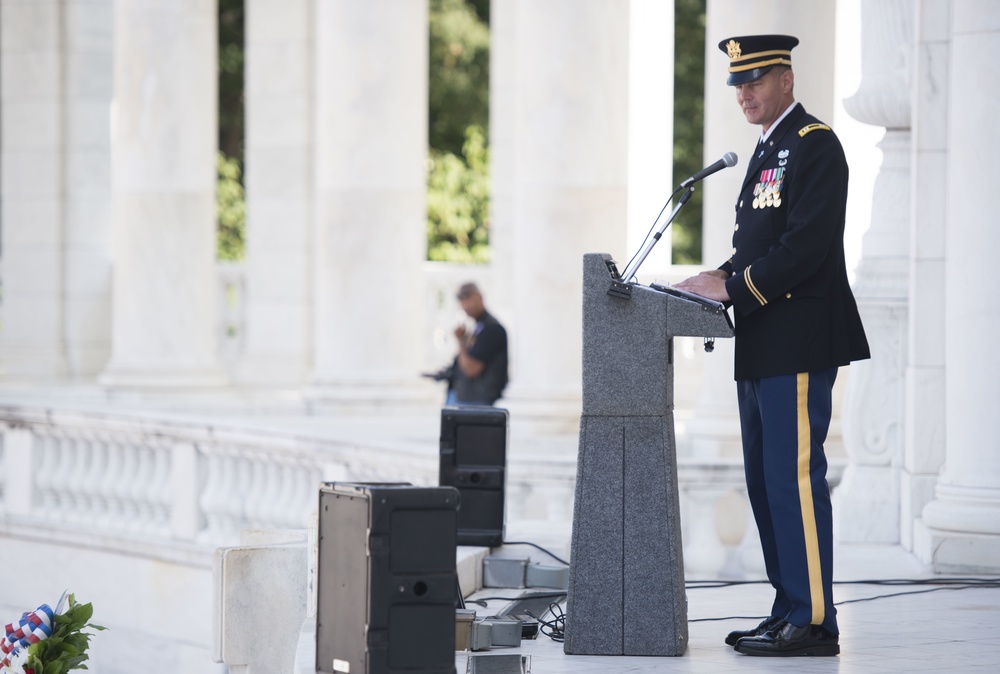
x=812 y=127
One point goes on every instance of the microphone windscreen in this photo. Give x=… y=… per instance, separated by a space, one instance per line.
x=730 y=159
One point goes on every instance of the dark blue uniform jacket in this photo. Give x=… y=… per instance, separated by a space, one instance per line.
x=794 y=308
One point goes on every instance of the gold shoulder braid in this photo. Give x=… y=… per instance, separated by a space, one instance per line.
x=812 y=127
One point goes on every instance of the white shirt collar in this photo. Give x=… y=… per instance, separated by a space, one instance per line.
x=765 y=136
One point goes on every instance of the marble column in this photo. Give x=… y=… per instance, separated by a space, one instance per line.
x=89 y=86
x=650 y=130
x=502 y=142
x=370 y=214
x=924 y=435
x=32 y=344
x=867 y=503
x=278 y=180
x=563 y=158
x=714 y=429
x=163 y=181
x=960 y=531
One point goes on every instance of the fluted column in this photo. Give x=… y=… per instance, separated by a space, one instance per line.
x=55 y=191
x=714 y=428
x=370 y=215
x=868 y=501
x=961 y=526
x=89 y=87
x=278 y=179
x=31 y=185
x=566 y=144
x=163 y=178
x=924 y=435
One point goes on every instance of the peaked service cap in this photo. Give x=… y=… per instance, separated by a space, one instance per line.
x=752 y=56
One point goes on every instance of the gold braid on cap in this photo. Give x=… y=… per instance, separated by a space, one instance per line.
x=733 y=47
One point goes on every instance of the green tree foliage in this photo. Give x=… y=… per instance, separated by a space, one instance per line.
x=458 y=198
x=231 y=129
x=458 y=159
x=689 y=122
x=458 y=95
x=230 y=208
x=230 y=214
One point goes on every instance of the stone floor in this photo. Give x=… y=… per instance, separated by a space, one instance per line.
x=940 y=631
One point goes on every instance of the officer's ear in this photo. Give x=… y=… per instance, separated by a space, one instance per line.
x=787 y=79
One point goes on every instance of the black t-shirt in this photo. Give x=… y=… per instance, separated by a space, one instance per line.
x=488 y=344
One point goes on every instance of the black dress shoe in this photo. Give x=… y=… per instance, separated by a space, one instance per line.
x=733 y=637
x=787 y=639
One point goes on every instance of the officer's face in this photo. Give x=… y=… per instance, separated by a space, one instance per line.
x=764 y=99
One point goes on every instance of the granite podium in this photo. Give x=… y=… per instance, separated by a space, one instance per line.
x=626 y=584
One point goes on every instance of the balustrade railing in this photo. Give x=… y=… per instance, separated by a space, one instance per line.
x=173 y=481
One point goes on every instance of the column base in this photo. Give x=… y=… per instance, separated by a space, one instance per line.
x=956 y=551
x=975 y=510
x=960 y=530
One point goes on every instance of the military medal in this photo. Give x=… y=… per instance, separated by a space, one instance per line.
x=767 y=191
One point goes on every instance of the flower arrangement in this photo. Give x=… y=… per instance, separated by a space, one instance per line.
x=46 y=641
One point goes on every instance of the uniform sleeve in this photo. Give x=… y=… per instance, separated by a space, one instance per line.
x=816 y=194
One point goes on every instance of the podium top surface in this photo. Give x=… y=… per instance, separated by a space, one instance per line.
x=683 y=313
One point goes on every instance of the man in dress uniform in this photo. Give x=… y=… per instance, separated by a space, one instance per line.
x=796 y=323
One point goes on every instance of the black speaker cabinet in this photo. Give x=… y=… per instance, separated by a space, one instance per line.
x=473 y=459
x=386 y=579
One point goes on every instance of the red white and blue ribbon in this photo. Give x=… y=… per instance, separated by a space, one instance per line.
x=30 y=629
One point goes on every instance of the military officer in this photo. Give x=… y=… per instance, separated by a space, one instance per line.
x=796 y=323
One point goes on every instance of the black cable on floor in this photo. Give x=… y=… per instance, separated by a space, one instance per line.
x=955 y=583
x=554 y=629
x=534 y=545
x=540 y=595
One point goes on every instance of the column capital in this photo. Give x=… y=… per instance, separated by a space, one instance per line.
x=883 y=98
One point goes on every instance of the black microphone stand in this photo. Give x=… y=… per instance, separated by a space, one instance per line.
x=629 y=274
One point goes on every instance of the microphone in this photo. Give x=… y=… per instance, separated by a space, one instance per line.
x=728 y=159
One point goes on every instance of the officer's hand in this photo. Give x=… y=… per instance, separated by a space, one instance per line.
x=710 y=284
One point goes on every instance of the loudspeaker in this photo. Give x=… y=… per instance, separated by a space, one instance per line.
x=385 y=579
x=473 y=460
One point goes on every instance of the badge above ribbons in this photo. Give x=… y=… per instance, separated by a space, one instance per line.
x=767 y=192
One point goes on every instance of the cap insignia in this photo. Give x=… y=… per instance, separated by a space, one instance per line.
x=733 y=47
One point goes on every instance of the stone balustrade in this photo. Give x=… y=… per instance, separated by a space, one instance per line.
x=172 y=480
